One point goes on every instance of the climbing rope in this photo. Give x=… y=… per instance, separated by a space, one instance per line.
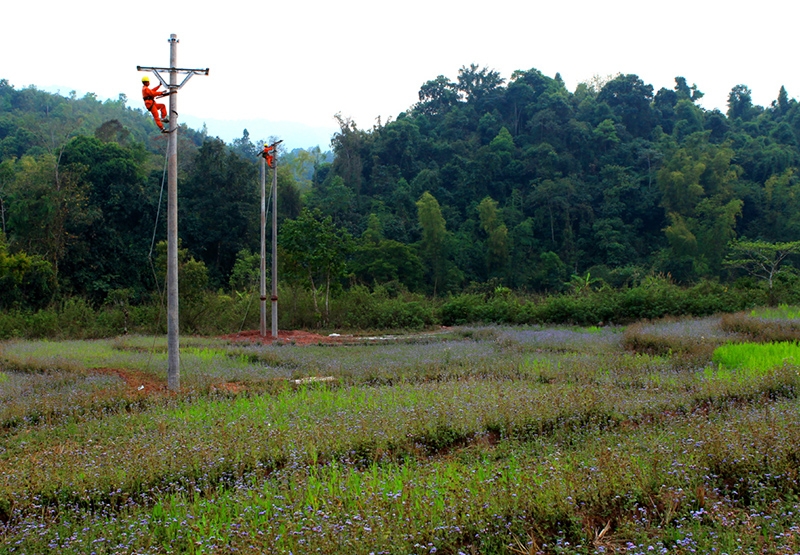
x=150 y=258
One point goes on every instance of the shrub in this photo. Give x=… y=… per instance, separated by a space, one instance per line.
x=461 y=309
x=42 y=323
x=12 y=324
x=761 y=330
x=76 y=318
x=360 y=309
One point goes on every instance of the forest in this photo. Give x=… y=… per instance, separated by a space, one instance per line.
x=482 y=184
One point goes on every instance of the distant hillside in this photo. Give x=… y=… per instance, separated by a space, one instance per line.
x=33 y=121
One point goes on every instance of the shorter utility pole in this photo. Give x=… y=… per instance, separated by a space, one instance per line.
x=269 y=158
x=263 y=288
x=275 y=242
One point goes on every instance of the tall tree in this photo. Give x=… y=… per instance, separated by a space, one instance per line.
x=110 y=243
x=740 y=103
x=782 y=104
x=314 y=250
x=433 y=246
x=437 y=96
x=45 y=208
x=761 y=259
x=631 y=100
x=476 y=83
x=698 y=184
x=497 y=237
x=685 y=92
x=219 y=208
x=347 y=144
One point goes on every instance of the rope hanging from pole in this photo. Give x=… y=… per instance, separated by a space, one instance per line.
x=160 y=197
x=150 y=259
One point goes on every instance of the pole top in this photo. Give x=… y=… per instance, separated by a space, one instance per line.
x=173 y=38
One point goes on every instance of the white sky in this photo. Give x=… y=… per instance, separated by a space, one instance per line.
x=285 y=68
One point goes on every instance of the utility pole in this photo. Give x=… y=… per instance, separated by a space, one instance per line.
x=263 y=289
x=269 y=158
x=275 y=242
x=173 y=349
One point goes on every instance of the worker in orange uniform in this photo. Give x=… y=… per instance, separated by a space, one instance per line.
x=269 y=154
x=158 y=110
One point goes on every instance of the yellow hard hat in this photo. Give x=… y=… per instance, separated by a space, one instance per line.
x=145 y=79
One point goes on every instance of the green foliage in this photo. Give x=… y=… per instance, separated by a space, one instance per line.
x=313 y=252
x=781 y=312
x=246 y=273
x=760 y=258
x=25 y=281
x=497 y=251
x=219 y=208
x=697 y=183
x=521 y=181
x=433 y=246
x=387 y=261
x=195 y=301
x=360 y=309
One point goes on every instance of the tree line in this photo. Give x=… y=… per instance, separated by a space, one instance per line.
x=530 y=184
x=482 y=182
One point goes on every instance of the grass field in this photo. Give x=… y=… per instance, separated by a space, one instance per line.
x=676 y=436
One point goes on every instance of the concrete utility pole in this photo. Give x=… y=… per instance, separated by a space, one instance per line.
x=173 y=350
x=275 y=242
x=263 y=288
x=269 y=158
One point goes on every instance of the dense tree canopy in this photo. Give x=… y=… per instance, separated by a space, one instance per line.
x=484 y=179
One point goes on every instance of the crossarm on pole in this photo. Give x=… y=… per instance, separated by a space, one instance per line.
x=188 y=72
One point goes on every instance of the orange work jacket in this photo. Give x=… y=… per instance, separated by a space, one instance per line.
x=149 y=95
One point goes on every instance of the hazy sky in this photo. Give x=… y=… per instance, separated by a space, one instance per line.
x=285 y=68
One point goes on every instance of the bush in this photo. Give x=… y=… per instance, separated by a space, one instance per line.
x=461 y=309
x=77 y=319
x=42 y=323
x=386 y=308
x=360 y=309
x=761 y=330
x=12 y=324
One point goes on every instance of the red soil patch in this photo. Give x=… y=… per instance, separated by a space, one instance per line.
x=296 y=337
x=299 y=337
x=136 y=379
x=147 y=384
x=229 y=387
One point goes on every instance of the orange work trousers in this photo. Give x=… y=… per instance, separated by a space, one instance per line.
x=158 y=110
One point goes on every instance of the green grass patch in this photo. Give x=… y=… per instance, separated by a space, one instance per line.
x=781 y=312
x=756 y=356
